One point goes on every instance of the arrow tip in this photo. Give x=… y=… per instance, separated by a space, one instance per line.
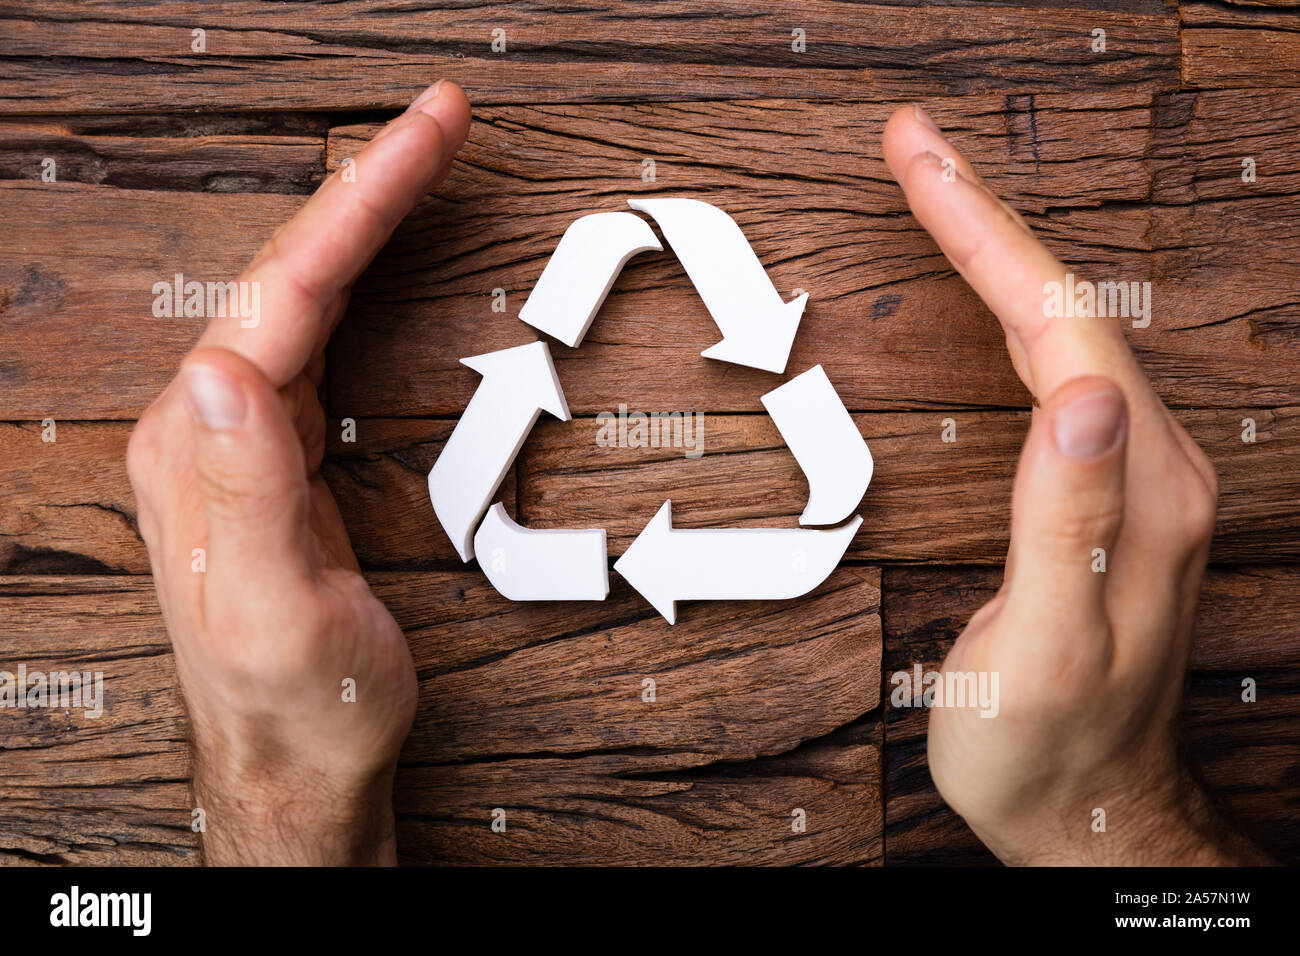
x=646 y=563
x=764 y=344
x=526 y=370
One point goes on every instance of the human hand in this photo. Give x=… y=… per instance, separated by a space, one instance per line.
x=227 y=460
x=1090 y=663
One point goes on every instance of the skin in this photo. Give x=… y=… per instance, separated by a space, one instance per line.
x=227 y=460
x=1091 y=665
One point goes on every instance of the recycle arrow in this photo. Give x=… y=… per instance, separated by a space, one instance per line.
x=518 y=385
x=529 y=564
x=757 y=327
x=827 y=445
x=728 y=564
x=581 y=270
x=664 y=564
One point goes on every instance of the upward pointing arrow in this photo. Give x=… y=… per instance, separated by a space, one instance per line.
x=729 y=564
x=518 y=385
x=757 y=327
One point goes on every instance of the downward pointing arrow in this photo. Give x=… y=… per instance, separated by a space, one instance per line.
x=828 y=446
x=518 y=384
x=529 y=564
x=728 y=564
x=757 y=327
x=581 y=271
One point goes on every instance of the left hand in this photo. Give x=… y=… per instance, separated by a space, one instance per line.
x=226 y=460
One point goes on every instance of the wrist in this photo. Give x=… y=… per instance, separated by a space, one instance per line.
x=1175 y=824
x=258 y=815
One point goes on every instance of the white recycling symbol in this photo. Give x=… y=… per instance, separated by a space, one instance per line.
x=664 y=564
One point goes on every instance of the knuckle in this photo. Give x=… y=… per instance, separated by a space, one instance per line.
x=1199 y=507
x=230 y=492
x=144 y=451
x=1087 y=527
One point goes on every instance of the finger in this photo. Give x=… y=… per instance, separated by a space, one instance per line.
x=911 y=131
x=298 y=277
x=1068 y=503
x=1009 y=269
x=250 y=476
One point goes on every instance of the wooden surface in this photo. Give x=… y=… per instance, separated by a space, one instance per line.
x=169 y=160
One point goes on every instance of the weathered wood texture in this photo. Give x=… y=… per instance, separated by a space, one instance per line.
x=67 y=507
x=341 y=55
x=1128 y=163
x=1239 y=46
x=1248 y=625
x=929 y=500
x=78 y=338
x=888 y=318
x=207 y=154
x=760 y=709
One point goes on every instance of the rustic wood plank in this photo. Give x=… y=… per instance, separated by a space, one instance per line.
x=1199 y=142
x=225 y=162
x=67 y=507
x=879 y=288
x=1248 y=625
x=1238 y=46
x=57 y=295
x=888 y=317
x=340 y=56
x=601 y=809
x=760 y=708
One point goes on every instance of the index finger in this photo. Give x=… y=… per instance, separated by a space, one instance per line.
x=995 y=252
x=296 y=282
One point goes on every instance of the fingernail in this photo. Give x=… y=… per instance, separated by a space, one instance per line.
x=430 y=94
x=923 y=118
x=214 y=400
x=1091 y=426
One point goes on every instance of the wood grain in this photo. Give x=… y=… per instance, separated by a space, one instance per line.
x=1248 y=625
x=1238 y=46
x=1199 y=142
x=1127 y=163
x=888 y=318
x=760 y=708
x=929 y=500
x=67 y=507
x=221 y=154
x=341 y=56
x=78 y=338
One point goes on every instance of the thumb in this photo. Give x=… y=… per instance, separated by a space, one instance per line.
x=251 y=476
x=1069 y=498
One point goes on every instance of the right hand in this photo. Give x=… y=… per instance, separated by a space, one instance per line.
x=1090 y=663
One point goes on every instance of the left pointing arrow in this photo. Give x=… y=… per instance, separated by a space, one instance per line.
x=528 y=564
x=518 y=385
x=729 y=564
